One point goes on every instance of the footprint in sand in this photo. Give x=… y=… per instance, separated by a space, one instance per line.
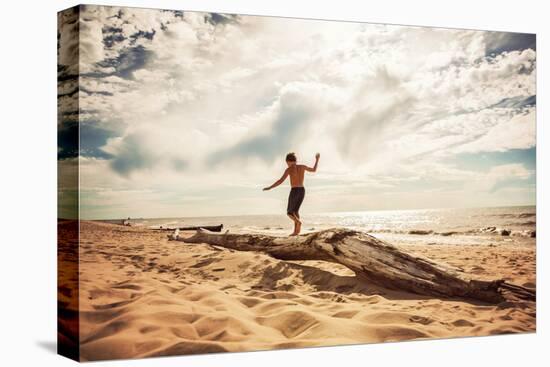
x=420 y=320
x=462 y=323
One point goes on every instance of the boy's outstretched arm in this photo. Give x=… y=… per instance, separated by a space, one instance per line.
x=278 y=182
x=314 y=169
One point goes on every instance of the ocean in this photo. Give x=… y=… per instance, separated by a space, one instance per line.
x=464 y=225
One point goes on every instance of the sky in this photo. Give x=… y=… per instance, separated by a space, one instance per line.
x=191 y=114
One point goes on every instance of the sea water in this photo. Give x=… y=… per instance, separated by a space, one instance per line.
x=460 y=225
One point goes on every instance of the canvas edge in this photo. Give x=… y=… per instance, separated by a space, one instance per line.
x=68 y=313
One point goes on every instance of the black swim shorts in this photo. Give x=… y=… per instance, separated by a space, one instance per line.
x=295 y=199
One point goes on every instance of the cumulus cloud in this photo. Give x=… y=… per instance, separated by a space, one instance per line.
x=384 y=103
x=91 y=41
x=133 y=156
x=510 y=132
x=68 y=37
x=288 y=122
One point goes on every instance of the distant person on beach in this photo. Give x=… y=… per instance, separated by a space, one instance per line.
x=297 y=191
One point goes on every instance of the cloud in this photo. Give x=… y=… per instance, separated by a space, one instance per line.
x=68 y=37
x=128 y=61
x=503 y=176
x=179 y=164
x=290 y=117
x=91 y=41
x=515 y=132
x=67 y=85
x=144 y=151
x=386 y=103
x=132 y=155
x=170 y=100
x=92 y=139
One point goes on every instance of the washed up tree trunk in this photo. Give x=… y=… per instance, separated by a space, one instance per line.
x=374 y=260
x=217 y=228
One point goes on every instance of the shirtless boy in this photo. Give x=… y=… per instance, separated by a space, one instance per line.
x=297 y=191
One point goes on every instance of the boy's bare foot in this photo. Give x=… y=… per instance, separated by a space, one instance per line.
x=298 y=227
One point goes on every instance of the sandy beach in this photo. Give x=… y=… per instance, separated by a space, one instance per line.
x=142 y=296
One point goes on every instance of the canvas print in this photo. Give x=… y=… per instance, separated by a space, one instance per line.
x=233 y=183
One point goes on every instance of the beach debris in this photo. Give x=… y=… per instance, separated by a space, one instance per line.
x=217 y=228
x=524 y=233
x=504 y=232
x=421 y=231
x=372 y=259
x=175 y=235
x=450 y=233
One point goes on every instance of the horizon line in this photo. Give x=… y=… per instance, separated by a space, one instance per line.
x=316 y=213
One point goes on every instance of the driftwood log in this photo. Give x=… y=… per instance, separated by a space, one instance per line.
x=374 y=260
x=217 y=228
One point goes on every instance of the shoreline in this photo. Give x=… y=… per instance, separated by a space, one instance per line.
x=319 y=213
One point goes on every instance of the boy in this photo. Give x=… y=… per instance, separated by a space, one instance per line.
x=297 y=191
